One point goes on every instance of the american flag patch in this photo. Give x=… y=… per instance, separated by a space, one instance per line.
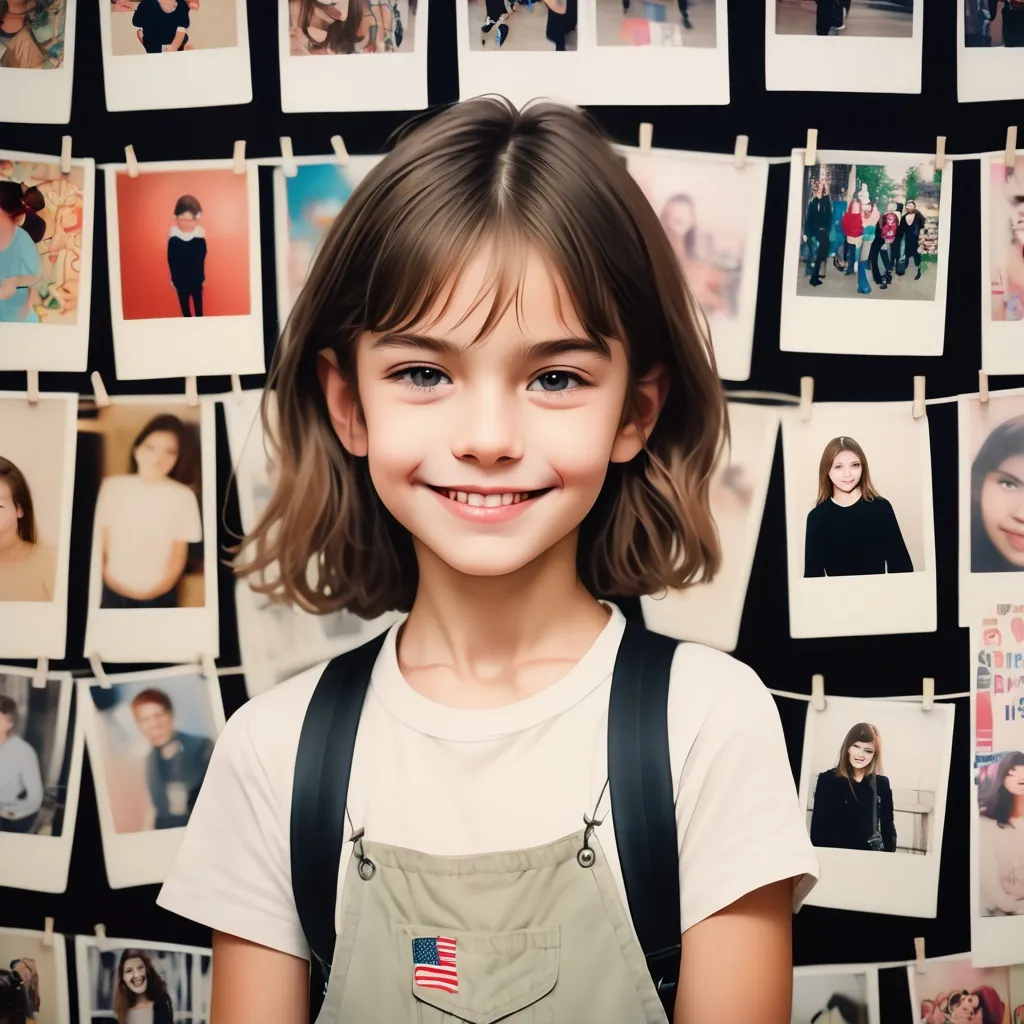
x=433 y=964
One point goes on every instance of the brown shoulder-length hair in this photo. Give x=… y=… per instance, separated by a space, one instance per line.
x=22 y=498
x=862 y=732
x=156 y=988
x=829 y=455
x=482 y=175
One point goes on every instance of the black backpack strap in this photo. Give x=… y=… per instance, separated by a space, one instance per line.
x=643 y=807
x=319 y=794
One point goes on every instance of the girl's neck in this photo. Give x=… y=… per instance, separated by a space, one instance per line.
x=1017 y=808
x=486 y=627
x=846 y=499
x=12 y=547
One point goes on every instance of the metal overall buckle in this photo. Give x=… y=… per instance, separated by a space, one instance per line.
x=586 y=857
x=367 y=869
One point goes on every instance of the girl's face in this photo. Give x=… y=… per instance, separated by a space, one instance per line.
x=157 y=455
x=861 y=754
x=846 y=472
x=680 y=217
x=186 y=221
x=868 y=207
x=491 y=455
x=134 y=975
x=10 y=513
x=1014 y=781
x=1002 y=509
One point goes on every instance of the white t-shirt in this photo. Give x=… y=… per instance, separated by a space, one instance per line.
x=452 y=782
x=143 y=519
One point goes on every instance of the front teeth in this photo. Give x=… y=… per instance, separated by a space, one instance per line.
x=486 y=500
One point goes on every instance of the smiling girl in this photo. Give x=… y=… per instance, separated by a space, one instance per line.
x=852 y=530
x=997 y=500
x=496 y=403
x=141 y=994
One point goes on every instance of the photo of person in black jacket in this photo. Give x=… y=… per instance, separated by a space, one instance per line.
x=817 y=224
x=186 y=255
x=853 y=805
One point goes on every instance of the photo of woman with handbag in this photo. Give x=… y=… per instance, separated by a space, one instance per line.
x=853 y=806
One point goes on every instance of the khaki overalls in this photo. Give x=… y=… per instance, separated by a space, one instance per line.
x=536 y=936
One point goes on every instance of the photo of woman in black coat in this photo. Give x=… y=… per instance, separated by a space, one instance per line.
x=908 y=240
x=853 y=808
x=852 y=530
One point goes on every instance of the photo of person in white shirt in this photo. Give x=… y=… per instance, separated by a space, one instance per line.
x=147 y=518
x=1001 y=837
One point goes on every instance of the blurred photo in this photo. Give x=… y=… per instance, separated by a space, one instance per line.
x=32 y=34
x=993 y=23
x=33 y=978
x=889 y=19
x=1006 y=238
x=351 y=26
x=171 y=26
x=951 y=989
x=840 y=994
x=656 y=23
x=518 y=25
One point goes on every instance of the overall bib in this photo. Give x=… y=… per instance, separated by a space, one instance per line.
x=534 y=936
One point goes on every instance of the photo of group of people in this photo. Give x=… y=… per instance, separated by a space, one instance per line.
x=171 y=26
x=32 y=34
x=150 y=737
x=874 y=780
x=33 y=978
x=350 y=26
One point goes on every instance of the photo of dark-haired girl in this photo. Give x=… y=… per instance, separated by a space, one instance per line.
x=141 y=994
x=1001 y=836
x=852 y=530
x=186 y=255
x=351 y=26
x=21 y=783
x=21 y=230
x=28 y=564
x=147 y=519
x=32 y=33
x=997 y=500
x=853 y=807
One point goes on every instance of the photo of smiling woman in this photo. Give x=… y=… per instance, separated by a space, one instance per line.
x=997 y=500
x=141 y=994
x=1001 y=837
x=853 y=807
x=852 y=530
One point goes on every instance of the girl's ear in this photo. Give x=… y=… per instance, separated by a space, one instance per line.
x=342 y=405
x=650 y=394
x=19 y=512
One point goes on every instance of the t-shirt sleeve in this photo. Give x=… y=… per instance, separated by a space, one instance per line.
x=188 y=524
x=739 y=821
x=232 y=872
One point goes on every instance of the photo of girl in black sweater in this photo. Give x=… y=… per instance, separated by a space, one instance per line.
x=853 y=808
x=997 y=500
x=852 y=530
x=186 y=254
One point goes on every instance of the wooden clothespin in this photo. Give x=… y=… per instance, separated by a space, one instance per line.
x=338 y=145
x=806 y=397
x=811 y=149
x=32 y=387
x=983 y=387
x=100 y=931
x=96 y=666
x=209 y=667
x=739 y=153
x=41 y=674
x=239 y=157
x=65 y=154
x=919 y=963
x=940 y=152
x=47 y=939
x=99 y=389
x=236 y=385
x=288 y=164
x=919 y=403
x=1010 y=156
x=191 y=391
x=131 y=161
x=927 y=693
x=646 y=137
x=818 y=692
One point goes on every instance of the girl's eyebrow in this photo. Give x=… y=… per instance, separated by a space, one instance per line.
x=541 y=349
x=1016 y=479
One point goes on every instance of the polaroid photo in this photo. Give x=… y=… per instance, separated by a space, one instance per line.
x=117 y=978
x=859 y=522
x=149 y=472
x=990 y=50
x=835 y=43
x=159 y=54
x=873 y=785
x=713 y=214
x=1017 y=993
x=951 y=990
x=660 y=52
x=150 y=736
x=40 y=961
x=991 y=443
x=835 y=994
x=40 y=774
x=37 y=482
x=1002 y=264
x=46 y=227
x=37 y=60
x=710 y=613
x=997 y=786
x=277 y=640
x=185 y=275
x=305 y=206
x=865 y=267
x=318 y=43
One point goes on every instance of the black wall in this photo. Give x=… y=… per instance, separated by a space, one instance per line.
x=775 y=122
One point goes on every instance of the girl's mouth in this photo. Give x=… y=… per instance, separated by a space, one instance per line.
x=490 y=500
x=1014 y=539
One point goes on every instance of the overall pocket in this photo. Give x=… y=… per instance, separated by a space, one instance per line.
x=481 y=977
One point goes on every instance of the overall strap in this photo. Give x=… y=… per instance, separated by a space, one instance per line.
x=642 y=798
x=319 y=794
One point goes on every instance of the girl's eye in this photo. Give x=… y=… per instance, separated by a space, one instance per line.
x=420 y=378
x=1007 y=483
x=556 y=380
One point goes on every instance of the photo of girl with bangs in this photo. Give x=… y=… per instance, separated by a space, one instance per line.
x=997 y=500
x=852 y=530
x=853 y=806
x=513 y=338
x=1001 y=837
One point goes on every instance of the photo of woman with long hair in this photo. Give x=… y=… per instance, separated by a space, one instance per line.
x=348 y=26
x=1001 y=837
x=12 y=998
x=852 y=530
x=147 y=518
x=141 y=995
x=997 y=500
x=853 y=806
x=27 y=566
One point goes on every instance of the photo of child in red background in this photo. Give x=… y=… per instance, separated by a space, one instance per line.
x=151 y=209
